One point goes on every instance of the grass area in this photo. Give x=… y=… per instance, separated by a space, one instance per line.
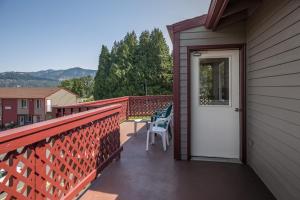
x=140 y=117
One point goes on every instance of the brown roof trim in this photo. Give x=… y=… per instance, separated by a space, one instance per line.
x=186 y=24
x=209 y=20
x=215 y=12
x=25 y=92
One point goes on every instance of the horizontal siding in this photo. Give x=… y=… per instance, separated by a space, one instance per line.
x=62 y=98
x=282 y=103
x=283 y=92
x=281 y=58
x=279 y=48
x=291 y=67
x=280 y=18
x=274 y=39
x=273 y=100
x=234 y=34
x=276 y=81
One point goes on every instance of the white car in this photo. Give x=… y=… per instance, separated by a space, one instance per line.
x=2 y=175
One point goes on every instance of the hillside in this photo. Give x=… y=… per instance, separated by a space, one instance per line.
x=45 y=78
x=60 y=75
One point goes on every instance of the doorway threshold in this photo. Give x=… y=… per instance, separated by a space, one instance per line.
x=216 y=159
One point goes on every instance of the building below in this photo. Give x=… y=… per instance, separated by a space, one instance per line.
x=21 y=106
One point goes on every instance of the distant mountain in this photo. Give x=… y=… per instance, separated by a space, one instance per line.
x=20 y=79
x=60 y=75
x=44 y=78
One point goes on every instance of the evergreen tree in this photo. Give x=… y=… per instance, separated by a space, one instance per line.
x=142 y=64
x=160 y=62
x=135 y=67
x=130 y=77
x=101 y=87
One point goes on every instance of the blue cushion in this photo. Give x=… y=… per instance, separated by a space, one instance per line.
x=162 y=113
x=162 y=124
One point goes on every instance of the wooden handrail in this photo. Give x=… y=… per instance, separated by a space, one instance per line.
x=21 y=136
x=56 y=159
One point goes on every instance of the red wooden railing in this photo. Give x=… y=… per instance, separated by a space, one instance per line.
x=130 y=106
x=58 y=158
x=147 y=105
x=59 y=111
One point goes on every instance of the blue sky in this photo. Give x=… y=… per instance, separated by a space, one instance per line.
x=58 y=34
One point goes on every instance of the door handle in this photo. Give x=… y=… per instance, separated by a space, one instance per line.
x=237 y=109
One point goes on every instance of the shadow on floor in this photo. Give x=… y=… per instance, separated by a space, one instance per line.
x=154 y=175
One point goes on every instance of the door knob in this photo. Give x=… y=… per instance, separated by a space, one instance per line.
x=237 y=109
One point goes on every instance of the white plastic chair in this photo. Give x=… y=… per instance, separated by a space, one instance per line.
x=162 y=131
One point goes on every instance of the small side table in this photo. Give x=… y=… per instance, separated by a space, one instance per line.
x=136 y=121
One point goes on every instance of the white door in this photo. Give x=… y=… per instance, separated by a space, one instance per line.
x=214 y=104
x=34 y=119
x=49 y=105
x=21 y=120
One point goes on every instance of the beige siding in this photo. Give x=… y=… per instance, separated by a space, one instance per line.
x=20 y=110
x=40 y=111
x=233 y=34
x=62 y=98
x=273 y=100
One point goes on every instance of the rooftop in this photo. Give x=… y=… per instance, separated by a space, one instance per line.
x=27 y=92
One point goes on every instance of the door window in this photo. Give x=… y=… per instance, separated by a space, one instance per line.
x=214 y=81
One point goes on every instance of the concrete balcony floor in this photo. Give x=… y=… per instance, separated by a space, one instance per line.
x=154 y=175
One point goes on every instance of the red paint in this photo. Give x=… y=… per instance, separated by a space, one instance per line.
x=9 y=115
x=130 y=106
x=215 y=12
x=176 y=96
x=82 y=144
x=184 y=25
x=31 y=106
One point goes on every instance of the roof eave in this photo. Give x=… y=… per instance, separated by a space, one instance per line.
x=209 y=20
x=185 y=25
x=215 y=12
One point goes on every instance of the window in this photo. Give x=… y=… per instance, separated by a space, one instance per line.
x=24 y=103
x=214 y=81
x=49 y=106
x=38 y=103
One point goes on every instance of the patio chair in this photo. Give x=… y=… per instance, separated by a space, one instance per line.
x=164 y=113
x=159 y=127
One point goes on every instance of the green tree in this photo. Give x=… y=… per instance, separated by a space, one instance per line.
x=83 y=86
x=160 y=62
x=101 y=87
x=142 y=64
x=134 y=67
x=130 y=78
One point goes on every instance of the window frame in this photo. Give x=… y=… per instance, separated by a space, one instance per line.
x=24 y=106
x=229 y=80
x=38 y=104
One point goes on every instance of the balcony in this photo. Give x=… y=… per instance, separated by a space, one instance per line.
x=63 y=157
x=156 y=175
